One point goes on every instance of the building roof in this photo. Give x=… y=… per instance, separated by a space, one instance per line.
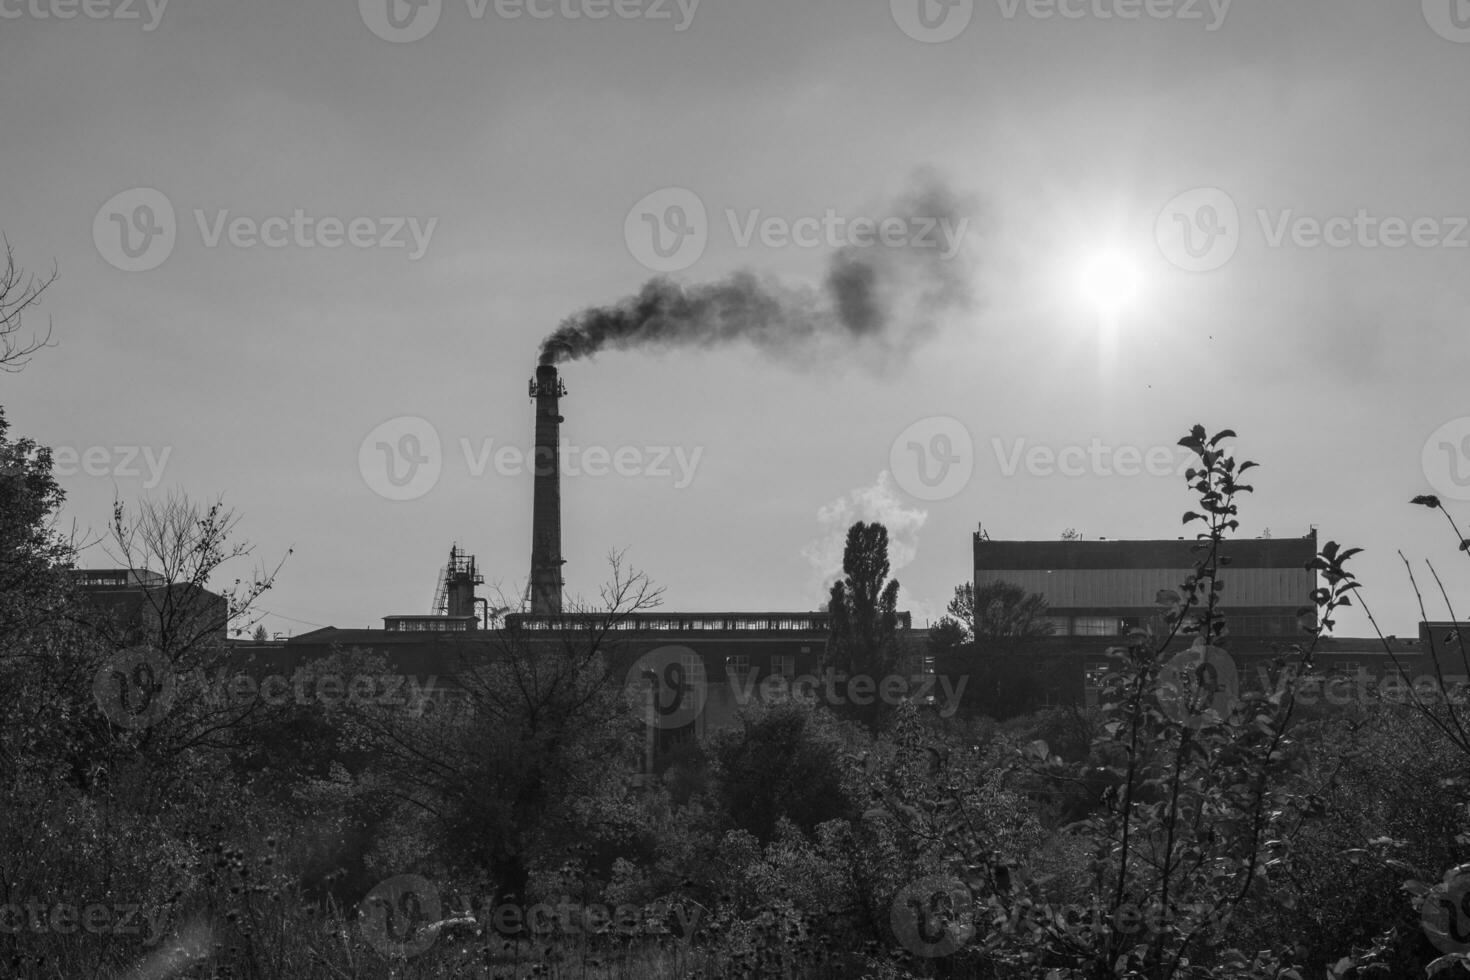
x=1156 y=553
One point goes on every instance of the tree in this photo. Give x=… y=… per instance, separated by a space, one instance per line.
x=33 y=555
x=864 y=608
x=948 y=635
x=958 y=627
x=102 y=796
x=998 y=615
x=961 y=611
x=185 y=544
x=259 y=636
x=19 y=292
x=989 y=636
x=1003 y=612
x=783 y=760
x=536 y=759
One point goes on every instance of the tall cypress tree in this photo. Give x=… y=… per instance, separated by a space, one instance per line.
x=864 y=608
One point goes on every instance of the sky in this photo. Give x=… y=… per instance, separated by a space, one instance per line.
x=294 y=239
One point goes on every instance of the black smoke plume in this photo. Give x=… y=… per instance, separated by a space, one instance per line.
x=878 y=300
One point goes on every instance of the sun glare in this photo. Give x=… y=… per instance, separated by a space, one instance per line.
x=1110 y=281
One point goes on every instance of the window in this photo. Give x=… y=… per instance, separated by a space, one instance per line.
x=783 y=664
x=737 y=665
x=693 y=666
x=104 y=579
x=1059 y=624
x=1095 y=626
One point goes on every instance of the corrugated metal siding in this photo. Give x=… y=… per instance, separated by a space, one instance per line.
x=1289 y=587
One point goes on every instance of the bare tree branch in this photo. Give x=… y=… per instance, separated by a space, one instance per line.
x=18 y=292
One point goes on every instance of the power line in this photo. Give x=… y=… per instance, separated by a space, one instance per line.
x=304 y=622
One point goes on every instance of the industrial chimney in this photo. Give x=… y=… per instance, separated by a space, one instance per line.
x=546 y=559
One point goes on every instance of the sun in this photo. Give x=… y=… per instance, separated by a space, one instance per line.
x=1109 y=281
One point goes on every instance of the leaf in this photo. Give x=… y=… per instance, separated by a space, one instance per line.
x=1223 y=434
x=1446 y=962
x=1190 y=515
x=1426 y=500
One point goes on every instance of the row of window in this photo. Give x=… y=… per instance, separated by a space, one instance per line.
x=1240 y=625
x=428 y=625
x=116 y=578
x=739 y=623
x=110 y=578
x=782 y=664
x=792 y=624
x=1084 y=625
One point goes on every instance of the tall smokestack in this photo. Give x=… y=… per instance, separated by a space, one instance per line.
x=546 y=559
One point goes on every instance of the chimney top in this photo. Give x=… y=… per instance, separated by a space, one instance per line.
x=546 y=384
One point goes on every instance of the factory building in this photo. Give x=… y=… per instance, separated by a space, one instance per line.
x=726 y=660
x=125 y=605
x=1107 y=588
x=1099 y=591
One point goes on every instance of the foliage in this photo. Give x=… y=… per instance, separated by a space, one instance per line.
x=781 y=763
x=864 y=608
x=1179 y=831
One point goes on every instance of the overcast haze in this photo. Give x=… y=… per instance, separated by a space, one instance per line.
x=519 y=147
